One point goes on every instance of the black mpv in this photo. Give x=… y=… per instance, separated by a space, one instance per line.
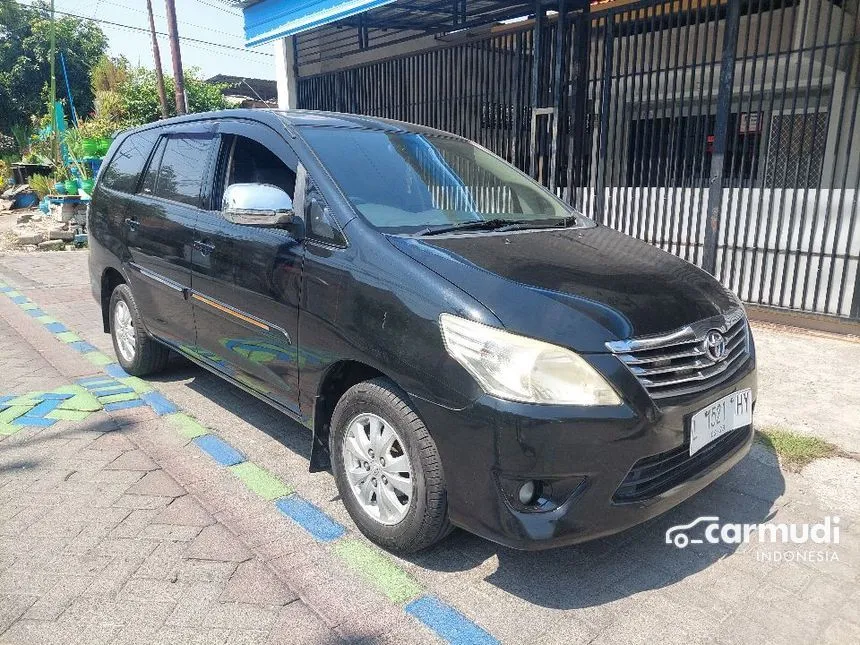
x=464 y=348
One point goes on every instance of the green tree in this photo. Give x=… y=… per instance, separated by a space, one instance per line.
x=25 y=64
x=140 y=95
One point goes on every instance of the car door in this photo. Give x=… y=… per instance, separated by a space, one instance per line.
x=159 y=222
x=247 y=279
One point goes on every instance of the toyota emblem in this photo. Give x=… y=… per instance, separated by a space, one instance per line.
x=715 y=345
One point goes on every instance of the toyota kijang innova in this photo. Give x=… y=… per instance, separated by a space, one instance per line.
x=465 y=349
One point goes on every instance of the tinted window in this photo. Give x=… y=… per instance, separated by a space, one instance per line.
x=148 y=185
x=405 y=182
x=127 y=163
x=250 y=162
x=183 y=168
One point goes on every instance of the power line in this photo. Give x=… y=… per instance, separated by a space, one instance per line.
x=181 y=22
x=215 y=6
x=160 y=33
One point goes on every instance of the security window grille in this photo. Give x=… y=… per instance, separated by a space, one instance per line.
x=677 y=151
x=795 y=151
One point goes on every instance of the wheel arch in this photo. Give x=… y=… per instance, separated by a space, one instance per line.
x=336 y=380
x=111 y=279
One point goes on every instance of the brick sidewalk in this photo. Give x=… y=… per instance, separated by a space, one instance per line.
x=99 y=543
x=627 y=588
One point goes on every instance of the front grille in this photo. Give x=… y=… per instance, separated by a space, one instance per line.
x=678 y=364
x=654 y=475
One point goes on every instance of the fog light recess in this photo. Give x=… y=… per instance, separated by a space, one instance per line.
x=530 y=492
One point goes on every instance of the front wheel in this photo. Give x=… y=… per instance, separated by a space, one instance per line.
x=387 y=468
x=137 y=352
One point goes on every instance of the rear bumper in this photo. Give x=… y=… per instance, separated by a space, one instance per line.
x=583 y=455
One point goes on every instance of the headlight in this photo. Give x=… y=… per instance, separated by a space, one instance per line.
x=517 y=368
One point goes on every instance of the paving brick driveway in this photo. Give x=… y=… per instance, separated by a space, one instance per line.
x=115 y=526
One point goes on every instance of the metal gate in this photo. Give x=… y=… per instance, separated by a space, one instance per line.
x=722 y=131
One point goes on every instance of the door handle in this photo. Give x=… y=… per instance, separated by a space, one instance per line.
x=203 y=247
x=131 y=223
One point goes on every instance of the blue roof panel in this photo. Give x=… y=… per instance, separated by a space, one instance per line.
x=272 y=19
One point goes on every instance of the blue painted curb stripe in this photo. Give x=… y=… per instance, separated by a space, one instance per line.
x=20 y=300
x=43 y=408
x=115 y=370
x=36 y=313
x=56 y=328
x=91 y=380
x=310 y=518
x=111 y=390
x=159 y=403
x=54 y=396
x=219 y=450
x=122 y=405
x=33 y=421
x=82 y=346
x=448 y=623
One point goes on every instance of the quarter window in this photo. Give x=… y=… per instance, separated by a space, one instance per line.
x=126 y=165
x=183 y=168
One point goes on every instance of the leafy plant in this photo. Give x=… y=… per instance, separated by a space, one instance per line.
x=74 y=142
x=140 y=96
x=41 y=185
x=7 y=144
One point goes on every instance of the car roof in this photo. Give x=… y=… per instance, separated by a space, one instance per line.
x=298 y=119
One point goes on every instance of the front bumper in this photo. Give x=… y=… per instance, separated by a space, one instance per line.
x=584 y=454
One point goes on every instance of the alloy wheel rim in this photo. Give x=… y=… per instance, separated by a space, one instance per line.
x=123 y=325
x=377 y=468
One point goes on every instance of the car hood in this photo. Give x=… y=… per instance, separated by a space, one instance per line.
x=578 y=287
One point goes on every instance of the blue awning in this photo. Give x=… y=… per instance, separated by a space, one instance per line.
x=272 y=19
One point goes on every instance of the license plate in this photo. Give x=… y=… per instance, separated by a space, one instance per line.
x=729 y=413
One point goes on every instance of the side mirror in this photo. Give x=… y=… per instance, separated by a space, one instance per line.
x=257 y=205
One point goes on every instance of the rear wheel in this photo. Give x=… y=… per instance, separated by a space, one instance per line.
x=137 y=352
x=387 y=468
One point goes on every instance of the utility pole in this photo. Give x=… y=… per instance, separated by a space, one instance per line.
x=55 y=139
x=178 y=79
x=159 y=76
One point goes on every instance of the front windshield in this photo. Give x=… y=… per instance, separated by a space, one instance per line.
x=403 y=182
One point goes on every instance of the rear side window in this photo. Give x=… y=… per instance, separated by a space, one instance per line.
x=148 y=185
x=184 y=167
x=124 y=169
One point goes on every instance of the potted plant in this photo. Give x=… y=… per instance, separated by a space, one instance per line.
x=89 y=138
x=60 y=176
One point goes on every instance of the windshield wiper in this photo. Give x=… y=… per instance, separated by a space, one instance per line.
x=497 y=225
x=472 y=225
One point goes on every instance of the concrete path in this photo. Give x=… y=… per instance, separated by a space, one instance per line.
x=128 y=523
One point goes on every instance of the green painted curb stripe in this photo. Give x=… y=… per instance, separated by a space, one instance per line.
x=14 y=294
x=187 y=426
x=379 y=570
x=137 y=384
x=7 y=430
x=46 y=320
x=68 y=337
x=98 y=359
x=116 y=398
x=15 y=411
x=68 y=415
x=261 y=481
x=28 y=306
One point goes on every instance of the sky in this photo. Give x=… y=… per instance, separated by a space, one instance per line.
x=203 y=20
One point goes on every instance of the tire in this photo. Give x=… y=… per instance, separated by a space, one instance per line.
x=136 y=351
x=426 y=519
